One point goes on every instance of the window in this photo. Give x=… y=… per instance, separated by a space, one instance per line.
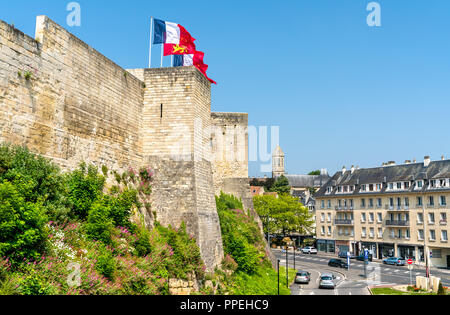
x=322 y=217
x=372 y=232
x=431 y=218
x=378 y=187
x=363 y=217
x=420 y=218
x=391 y=186
x=419 y=184
x=406 y=184
x=437 y=253
x=408 y=234
x=323 y=230
x=329 y=204
x=363 y=187
x=442 y=183
x=371 y=217
x=399 y=234
x=340 y=203
x=431 y=201
x=443 y=201
x=406 y=202
x=444 y=236
x=339 y=189
x=351 y=203
x=380 y=217
x=371 y=187
x=420 y=235
x=329 y=230
x=345 y=189
x=399 y=203
x=432 y=235
x=329 y=217
x=364 y=232
x=363 y=203
x=419 y=202
x=432 y=183
x=329 y=190
x=391 y=202
x=399 y=185
x=370 y=203
x=379 y=203
x=380 y=233
x=443 y=217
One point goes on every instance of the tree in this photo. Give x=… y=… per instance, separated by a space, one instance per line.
x=283 y=215
x=281 y=186
x=314 y=173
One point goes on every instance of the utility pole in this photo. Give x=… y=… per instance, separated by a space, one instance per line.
x=287 y=266
x=425 y=246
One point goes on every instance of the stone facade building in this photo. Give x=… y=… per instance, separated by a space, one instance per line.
x=393 y=210
x=65 y=101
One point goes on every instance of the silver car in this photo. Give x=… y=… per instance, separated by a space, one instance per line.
x=303 y=277
x=327 y=281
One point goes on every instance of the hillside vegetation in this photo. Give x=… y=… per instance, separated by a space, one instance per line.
x=248 y=270
x=69 y=234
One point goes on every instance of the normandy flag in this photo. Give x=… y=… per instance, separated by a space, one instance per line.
x=174 y=37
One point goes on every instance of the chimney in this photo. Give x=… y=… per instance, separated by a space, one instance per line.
x=324 y=172
x=344 y=169
x=408 y=162
x=357 y=167
x=443 y=158
x=426 y=161
x=353 y=169
x=414 y=161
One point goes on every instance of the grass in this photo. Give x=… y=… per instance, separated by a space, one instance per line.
x=390 y=291
x=263 y=282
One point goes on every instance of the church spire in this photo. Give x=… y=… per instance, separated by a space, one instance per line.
x=278 y=162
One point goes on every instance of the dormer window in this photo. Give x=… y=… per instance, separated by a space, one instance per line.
x=329 y=190
x=399 y=185
x=432 y=183
x=407 y=184
x=363 y=187
x=352 y=188
x=339 y=189
x=345 y=189
x=378 y=187
x=420 y=183
x=371 y=187
x=391 y=186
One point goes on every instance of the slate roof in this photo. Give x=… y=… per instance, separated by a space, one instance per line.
x=389 y=174
x=306 y=181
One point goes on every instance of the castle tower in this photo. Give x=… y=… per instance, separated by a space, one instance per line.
x=278 y=162
x=176 y=118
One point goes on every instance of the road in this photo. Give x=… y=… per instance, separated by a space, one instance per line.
x=352 y=281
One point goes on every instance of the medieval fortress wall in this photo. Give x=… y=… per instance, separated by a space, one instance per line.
x=66 y=101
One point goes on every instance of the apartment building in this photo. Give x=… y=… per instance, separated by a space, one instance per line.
x=393 y=210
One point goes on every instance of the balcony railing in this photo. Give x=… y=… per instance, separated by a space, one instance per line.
x=344 y=208
x=443 y=222
x=397 y=223
x=343 y=222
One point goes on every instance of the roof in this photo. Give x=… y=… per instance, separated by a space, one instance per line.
x=306 y=181
x=388 y=174
x=257 y=190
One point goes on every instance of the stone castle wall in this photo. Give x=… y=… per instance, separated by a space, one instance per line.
x=76 y=106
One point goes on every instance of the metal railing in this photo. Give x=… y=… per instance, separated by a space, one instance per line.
x=397 y=223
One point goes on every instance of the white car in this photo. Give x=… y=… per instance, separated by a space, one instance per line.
x=309 y=250
x=327 y=281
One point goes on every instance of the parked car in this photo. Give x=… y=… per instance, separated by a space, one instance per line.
x=394 y=261
x=327 y=281
x=303 y=277
x=344 y=255
x=337 y=263
x=309 y=250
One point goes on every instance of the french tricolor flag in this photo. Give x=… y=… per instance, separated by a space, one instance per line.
x=174 y=37
x=195 y=60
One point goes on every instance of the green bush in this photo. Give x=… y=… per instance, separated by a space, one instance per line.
x=121 y=207
x=35 y=284
x=23 y=229
x=99 y=225
x=143 y=245
x=85 y=187
x=106 y=265
x=184 y=252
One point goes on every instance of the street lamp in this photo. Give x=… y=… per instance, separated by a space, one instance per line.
x=287 y=266
x=278 y=277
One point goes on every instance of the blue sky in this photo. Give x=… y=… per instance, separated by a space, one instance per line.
x=341 y=92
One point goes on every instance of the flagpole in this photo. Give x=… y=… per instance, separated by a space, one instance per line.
x=151 y=42
x=171 y=60
x=162 y=54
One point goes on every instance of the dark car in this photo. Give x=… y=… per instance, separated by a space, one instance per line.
x=337 y=263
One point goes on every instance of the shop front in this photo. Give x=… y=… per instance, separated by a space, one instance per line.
x=326 y=246
x=342 y=246
x=406 y=252
x=386 y=250
x=372 y=247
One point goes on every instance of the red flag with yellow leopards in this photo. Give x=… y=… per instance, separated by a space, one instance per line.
x=184 y=47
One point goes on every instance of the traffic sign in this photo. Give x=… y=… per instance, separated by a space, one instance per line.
x=410 y=261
